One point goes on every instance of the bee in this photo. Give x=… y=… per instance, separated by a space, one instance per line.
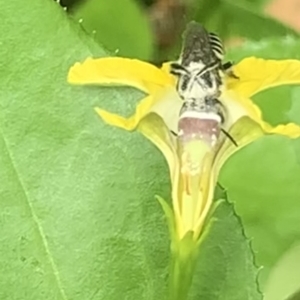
x=200 y=71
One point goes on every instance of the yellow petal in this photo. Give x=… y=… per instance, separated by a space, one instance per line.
x=238 y=107
x=114 y=119
x=166 y=103
x=166 y=67
x=142 y=109
x=154 y=129
x=244 y=131
x=119 y=71
x=291 y=130
x=256 y=74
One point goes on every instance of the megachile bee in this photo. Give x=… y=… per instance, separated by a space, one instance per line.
x=200 y=71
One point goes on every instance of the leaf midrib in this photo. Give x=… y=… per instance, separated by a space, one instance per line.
x=36 y=221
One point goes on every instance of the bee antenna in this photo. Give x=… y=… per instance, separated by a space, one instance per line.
x=229 y=136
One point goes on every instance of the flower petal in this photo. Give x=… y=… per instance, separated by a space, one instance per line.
x=142 y=109
x=166 y=68
x=291 y=130
x=155 y=130
x=166 y=103
x=192 y=189
x=196 y=184
x=244 y=131
x=256 y=74
x=115 y=119
x=239 y=106
x=119 y=71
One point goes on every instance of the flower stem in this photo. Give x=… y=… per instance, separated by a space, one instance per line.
x=184 y=254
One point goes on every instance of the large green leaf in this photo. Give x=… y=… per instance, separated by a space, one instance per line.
x=263 y=179
x=119 y=25
x=78 y=218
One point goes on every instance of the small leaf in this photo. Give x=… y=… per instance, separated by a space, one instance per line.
x=241 y=18
x=169 y=216
x=119 y=26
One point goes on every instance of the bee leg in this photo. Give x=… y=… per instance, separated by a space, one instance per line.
x=230 y=137
x=174 y=133
x=227 y=68
x=177 y=69
x=227 y=65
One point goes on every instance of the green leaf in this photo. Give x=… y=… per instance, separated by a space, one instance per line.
x=263 y=179
x=225 y=268
x=119 y=26
x=78 y=218
x=296 y=296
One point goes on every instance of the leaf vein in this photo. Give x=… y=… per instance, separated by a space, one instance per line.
x=36 y=221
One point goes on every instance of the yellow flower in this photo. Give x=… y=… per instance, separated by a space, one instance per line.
x=194 y=166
